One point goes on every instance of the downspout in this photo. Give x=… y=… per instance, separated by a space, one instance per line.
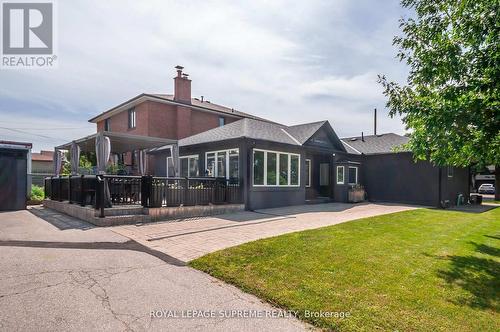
x=439 y=186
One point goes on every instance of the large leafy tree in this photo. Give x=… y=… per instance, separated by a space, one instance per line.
x=450 y=101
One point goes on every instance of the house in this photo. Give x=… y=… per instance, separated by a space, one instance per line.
x=390 y=174
x=15 y=165
x=272 y=164
x=42 y=165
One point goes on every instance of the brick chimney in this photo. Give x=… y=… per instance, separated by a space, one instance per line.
x=182 y=86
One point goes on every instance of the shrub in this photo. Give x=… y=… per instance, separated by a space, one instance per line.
x=37 y=193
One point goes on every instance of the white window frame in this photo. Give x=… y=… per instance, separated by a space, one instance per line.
x=216 y=166
x=356 y=181
x=337 y=175
x=132 y=117
x=193 y=156
x=309 y=174
x=289 y=154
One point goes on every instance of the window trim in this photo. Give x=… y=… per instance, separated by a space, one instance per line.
x=132 y=118
x=227 y=151
x=188 y=157
x=107 y=124
x=337 y=175
x=356 y=181
x=309 y=173
x=289 y=179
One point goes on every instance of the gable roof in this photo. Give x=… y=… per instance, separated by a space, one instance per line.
x=303 y=132
x=374 y=144
x=262 y=130
x=196 y=104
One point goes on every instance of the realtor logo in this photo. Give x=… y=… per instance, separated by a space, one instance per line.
x=27 y=29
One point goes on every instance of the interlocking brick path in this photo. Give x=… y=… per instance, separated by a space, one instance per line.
x=193 y=238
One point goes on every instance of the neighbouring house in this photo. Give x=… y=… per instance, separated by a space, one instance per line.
x=15 y=165
x=42 y=165
x=177 y=137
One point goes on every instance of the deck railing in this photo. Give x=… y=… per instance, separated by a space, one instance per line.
x=103 y=191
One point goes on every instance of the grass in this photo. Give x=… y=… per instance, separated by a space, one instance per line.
x=420 y=270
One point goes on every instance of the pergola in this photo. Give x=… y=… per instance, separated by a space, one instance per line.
x=104 y=143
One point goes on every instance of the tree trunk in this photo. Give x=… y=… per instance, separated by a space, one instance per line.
x=497 y=182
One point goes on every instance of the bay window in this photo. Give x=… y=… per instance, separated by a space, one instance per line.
x=274 y=168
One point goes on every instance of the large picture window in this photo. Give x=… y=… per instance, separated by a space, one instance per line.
x=224 y=164
x=274 y=168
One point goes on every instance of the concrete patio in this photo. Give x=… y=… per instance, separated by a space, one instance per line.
x=189 y=239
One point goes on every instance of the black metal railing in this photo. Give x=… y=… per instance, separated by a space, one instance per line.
x=124 y=190
x=103 y=191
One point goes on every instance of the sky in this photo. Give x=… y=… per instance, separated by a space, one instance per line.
x=288 y=61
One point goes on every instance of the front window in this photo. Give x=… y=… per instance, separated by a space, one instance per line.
x=340 y=174
x=131 y=118
x=222 y=121
x=189 y=166
x=224 y=164
x=107 y=126
x=353 y=175
x=272 y=168
x=308 y=172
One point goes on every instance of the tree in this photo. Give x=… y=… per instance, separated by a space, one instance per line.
x=450 y=101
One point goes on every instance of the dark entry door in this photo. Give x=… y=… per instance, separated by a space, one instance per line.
x=13 y=180
x=324 y=179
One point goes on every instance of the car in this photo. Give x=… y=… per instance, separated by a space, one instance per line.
x=486 y=188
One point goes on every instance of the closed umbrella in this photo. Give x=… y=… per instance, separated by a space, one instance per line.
x=58 y=157
x=103 y=151
x=142 y=162
x=75 y=158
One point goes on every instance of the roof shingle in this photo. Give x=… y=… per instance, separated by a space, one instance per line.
x=373 y=144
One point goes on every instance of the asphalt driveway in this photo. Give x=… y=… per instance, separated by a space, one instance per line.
x=60 y=274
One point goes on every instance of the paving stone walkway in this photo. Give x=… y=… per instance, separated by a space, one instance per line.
x=193 y=238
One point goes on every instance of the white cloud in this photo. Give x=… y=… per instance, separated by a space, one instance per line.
x=291 y=62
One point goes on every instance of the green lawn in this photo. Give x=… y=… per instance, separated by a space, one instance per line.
x=421 y=270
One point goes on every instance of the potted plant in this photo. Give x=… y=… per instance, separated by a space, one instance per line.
x=356 y=193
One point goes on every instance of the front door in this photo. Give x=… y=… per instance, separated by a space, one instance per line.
x=324 y=179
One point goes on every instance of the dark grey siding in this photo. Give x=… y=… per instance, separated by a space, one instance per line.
x=395 y=177
x=457 y=184
x=13 y=179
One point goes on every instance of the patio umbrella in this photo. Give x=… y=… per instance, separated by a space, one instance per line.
x=58 y=157
x=142 y=158
x=102 y=151
x=75 y=158
x=174 y=152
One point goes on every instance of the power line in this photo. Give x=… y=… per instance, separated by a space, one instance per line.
x=28 y=133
